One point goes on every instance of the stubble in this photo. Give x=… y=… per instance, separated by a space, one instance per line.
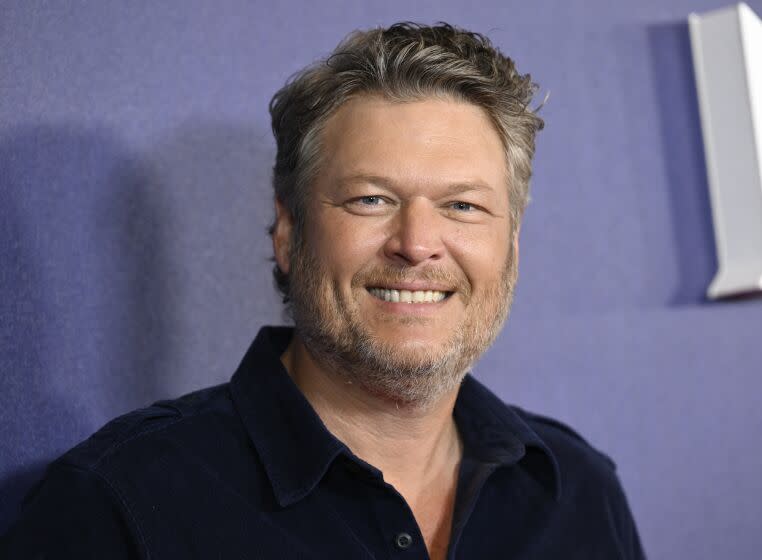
x=334 y=333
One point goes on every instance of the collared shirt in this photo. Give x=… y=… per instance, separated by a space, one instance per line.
x=248 y=470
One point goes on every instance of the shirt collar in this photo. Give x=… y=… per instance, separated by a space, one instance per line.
x=296 y=448
x=294 y=445
x=497 y=433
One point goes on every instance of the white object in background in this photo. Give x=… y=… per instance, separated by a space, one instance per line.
x=727 y=58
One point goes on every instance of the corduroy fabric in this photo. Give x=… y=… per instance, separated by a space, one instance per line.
x=248 y=470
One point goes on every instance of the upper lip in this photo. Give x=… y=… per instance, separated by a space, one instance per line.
x=413 y=286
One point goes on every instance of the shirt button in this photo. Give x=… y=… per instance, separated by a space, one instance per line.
x=403 y=541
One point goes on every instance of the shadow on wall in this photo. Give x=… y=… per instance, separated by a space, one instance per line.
x=682 y=143
x=94 y=275
x=24 y=341
x=82 y=241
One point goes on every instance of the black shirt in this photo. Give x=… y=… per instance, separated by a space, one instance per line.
x=248 y=470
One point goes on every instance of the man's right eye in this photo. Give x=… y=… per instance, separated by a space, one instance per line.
x=370 y=205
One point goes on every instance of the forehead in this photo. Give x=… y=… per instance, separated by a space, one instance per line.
x=421 y=142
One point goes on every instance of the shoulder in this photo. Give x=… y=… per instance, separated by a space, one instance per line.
x=89 y=499
x=590 y=486
x=478 y=405
x=582 y=468
x=151 y=433
x=564 y=441
x=588 y=476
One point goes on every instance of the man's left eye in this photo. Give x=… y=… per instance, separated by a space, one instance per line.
x=462 y=206
x=371 y=200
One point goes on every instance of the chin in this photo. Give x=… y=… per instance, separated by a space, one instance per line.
x=410 y=351
x=416 y=339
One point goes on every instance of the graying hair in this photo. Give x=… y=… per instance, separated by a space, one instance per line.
x=404 y=62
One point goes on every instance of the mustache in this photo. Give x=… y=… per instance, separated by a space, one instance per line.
x=380 y=275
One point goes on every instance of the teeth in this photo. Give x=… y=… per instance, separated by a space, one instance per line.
x=406 y=296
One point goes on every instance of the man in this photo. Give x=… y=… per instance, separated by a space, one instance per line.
x=401 y=178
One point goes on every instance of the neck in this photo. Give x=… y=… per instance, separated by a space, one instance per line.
x=411 y=444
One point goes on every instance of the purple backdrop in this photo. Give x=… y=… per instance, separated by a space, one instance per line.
x=135 y=157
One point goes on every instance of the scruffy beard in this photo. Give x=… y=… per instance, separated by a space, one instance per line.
x=416 y=374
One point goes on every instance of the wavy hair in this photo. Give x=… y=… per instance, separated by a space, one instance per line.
x=404 y=62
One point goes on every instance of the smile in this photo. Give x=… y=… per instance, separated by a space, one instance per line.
x=409 y=296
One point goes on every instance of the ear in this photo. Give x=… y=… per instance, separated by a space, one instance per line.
x=282 y=230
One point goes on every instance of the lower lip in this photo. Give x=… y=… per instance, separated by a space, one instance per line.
x=416 y=309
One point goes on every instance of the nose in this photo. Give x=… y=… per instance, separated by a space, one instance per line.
x=416 y=235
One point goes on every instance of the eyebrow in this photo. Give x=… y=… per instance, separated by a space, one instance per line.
x=458 y=188
x=365 y=178
x=451 y=189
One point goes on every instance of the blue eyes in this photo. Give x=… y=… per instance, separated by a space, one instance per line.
x=463 y=206
x=371 y=200
x=375 y=200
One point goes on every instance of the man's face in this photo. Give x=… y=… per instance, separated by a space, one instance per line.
x=408 y=261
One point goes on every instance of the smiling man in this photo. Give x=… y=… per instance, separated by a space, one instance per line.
x=401 y=178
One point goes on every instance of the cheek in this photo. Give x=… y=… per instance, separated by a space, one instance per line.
x=345 y=243
x=480 y=252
